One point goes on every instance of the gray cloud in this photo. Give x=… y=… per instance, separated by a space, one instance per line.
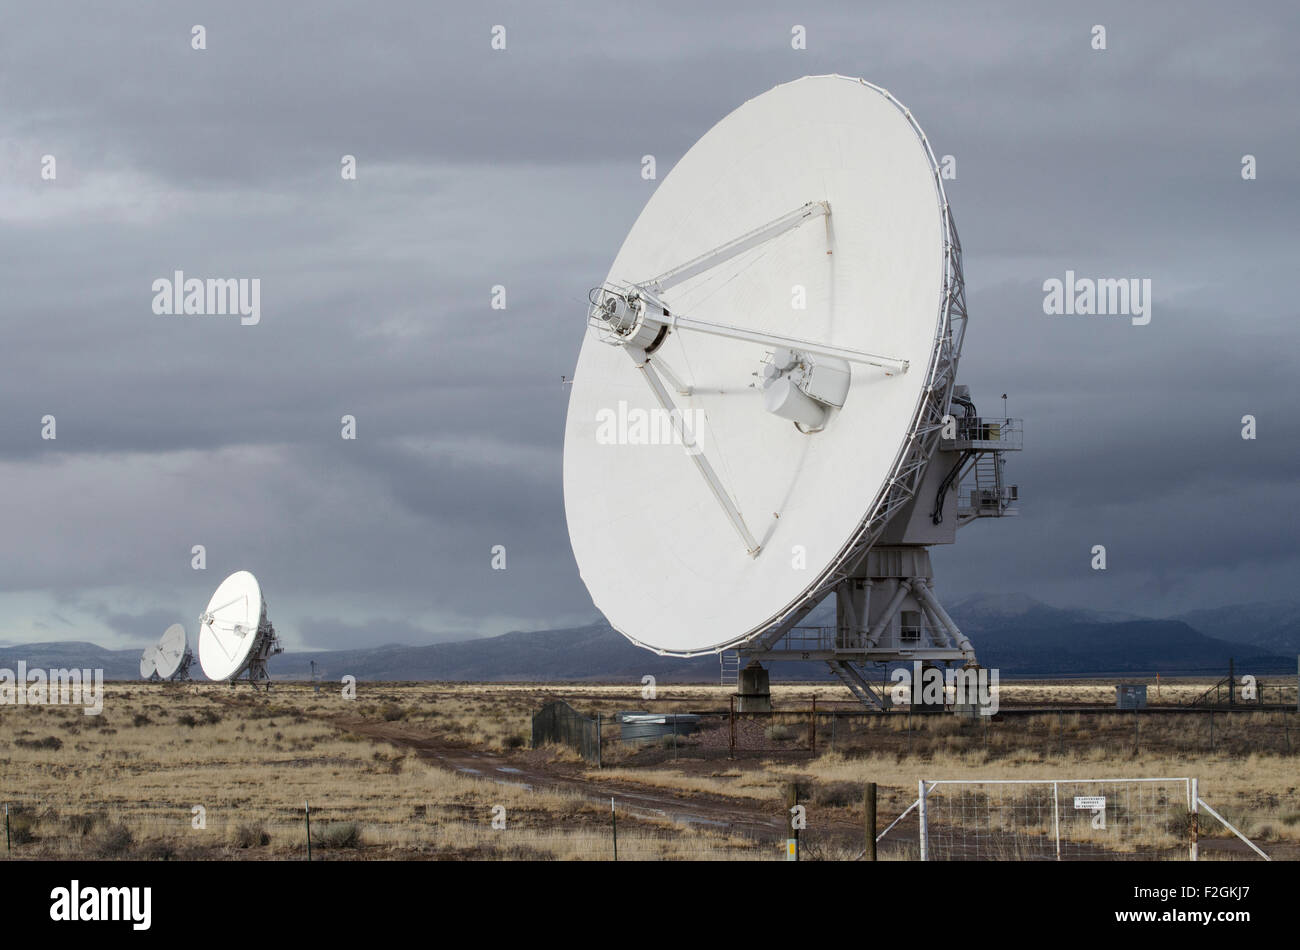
x=522 y=169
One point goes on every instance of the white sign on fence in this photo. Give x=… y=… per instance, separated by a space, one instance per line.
x=1089 y=802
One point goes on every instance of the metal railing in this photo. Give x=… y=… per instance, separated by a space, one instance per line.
x=1006 y=434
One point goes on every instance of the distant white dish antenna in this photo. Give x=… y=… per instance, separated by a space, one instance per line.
x=149 y=663
x=764 y=381
x=235 y=636
x=174 y=656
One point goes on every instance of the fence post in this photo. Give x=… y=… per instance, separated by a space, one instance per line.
x=598 y=744
x=307 y=813
x=1195 y=823
x=8 y=846
x=812 y=728
x=791 y=802
x=871 y=821
x=731 y=748
x=1056 y=817
x=613 y=819
x=921 y=813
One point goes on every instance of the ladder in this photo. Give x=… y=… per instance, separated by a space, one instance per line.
x=728 y=668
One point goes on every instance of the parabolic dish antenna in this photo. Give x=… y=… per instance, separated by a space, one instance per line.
x=235 y=636
x=173 y=653
x=784 y=295
x=149 y=663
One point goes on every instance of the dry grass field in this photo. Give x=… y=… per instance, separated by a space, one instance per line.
x=413 y=771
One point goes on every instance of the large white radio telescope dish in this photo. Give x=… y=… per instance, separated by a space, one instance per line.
x=235 y=636
x=783 y=293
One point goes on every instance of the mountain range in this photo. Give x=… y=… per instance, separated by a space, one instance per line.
x=1013 y=633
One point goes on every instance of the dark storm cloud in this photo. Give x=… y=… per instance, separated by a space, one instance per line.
x=522 y=169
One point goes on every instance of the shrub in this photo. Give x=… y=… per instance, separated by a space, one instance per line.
x=114 y=841
x=141 y=719
x=49 y=742
x=339 y=834
x=187 y=720
x=779 y=733
x=250 y=835
x=22 y=825
x=838 y=794
x=515 y=742
x=393 y=712
x=158 y=851
x=82 y=825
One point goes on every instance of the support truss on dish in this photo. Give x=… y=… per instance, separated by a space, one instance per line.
x=182 y=674
x=264 y=647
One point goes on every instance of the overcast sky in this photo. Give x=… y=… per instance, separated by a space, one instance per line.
x=522 y=168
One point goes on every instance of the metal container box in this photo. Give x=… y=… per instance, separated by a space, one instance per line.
x=1131 y=696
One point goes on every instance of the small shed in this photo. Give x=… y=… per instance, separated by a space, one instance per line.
x=1131 y=696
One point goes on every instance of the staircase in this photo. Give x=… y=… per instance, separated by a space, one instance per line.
x=856 y=683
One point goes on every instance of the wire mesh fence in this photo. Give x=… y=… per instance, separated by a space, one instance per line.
x=1078 y=819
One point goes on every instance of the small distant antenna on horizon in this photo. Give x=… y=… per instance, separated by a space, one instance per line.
x=173 y=655
x=149 y=664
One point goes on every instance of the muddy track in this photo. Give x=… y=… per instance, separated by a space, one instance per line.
x=751 y=818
